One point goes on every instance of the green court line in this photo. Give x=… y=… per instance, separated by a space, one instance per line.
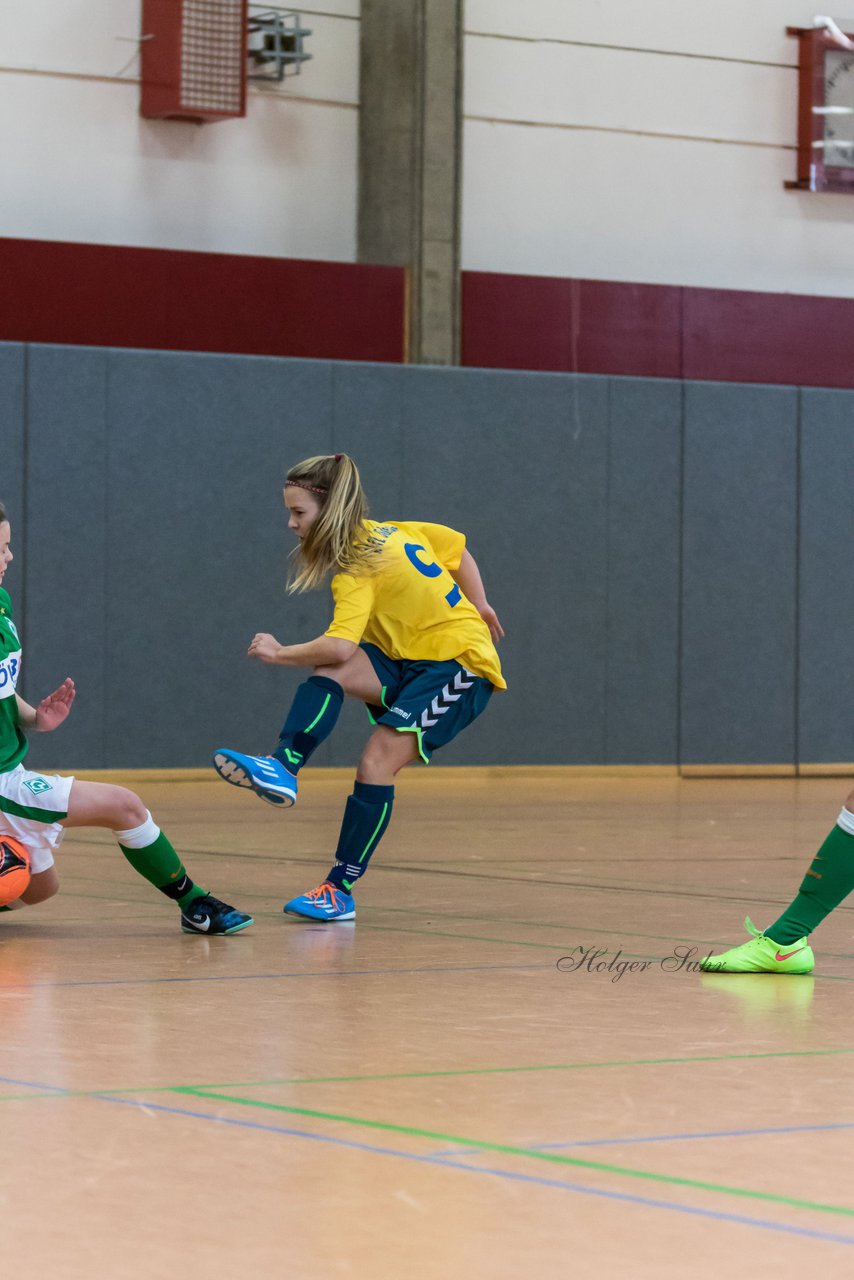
x=558 y=1066
x=568 y=924
x=554 y=946
x=428 y=1075
x=592 y=930
x=660 y=888
x=475 y=937
x=529 y=1153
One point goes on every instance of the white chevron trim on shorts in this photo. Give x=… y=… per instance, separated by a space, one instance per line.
x=451 y=693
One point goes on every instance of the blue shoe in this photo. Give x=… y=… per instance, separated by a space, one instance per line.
x=326 y=902
x=208 y=915
x=265 y=775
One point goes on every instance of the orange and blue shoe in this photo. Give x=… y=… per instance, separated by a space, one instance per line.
x=326 y=902
x=265 y=775
x=762 y=955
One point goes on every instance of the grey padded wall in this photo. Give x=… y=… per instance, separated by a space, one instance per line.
x=826 y=579
x=12 y=419
x=641 y=697
x=739 y=574
x=639 y=539
x=524 y=471
x=67 y=546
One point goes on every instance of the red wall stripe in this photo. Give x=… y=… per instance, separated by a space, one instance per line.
x=768 y=337
x=580 y=326
x=114 y=296
x=595 y=326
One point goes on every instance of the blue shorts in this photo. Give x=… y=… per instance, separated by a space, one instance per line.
x=434 y=700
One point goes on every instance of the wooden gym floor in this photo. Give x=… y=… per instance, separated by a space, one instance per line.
x=426 y=1093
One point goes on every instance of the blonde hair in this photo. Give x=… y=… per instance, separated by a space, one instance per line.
x=335 y=543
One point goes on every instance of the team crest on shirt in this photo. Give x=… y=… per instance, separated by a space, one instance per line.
x=10 y=624
x=38 y=785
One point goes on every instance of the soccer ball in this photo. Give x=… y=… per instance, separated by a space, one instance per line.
x=14 y=869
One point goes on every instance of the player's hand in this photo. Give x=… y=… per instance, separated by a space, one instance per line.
x=53 y=709
x=490 y=617
x=265 y=647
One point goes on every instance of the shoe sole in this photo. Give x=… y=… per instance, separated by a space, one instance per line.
x=793 y=971
x=298 y=915
x=231 y=771
x=217 y=933
x=785 y=973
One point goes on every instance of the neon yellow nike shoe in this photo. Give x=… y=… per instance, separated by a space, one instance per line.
x=762 y=955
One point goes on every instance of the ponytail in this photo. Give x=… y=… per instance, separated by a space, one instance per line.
x=335 y=542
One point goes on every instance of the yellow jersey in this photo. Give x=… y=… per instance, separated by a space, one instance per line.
x=409 y=605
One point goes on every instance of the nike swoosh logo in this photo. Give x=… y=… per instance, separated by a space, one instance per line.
x=789 y=954
x=197 y=924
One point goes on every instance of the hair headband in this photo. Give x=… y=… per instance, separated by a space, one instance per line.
x=301 y=484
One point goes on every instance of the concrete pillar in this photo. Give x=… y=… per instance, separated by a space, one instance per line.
x=410 y=136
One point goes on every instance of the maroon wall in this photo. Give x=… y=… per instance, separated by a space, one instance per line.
x=113 y=296
x=596 y=326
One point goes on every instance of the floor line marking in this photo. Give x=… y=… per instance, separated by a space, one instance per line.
x=510 y=1175
x=271 y=977
x=54 y=1091
x=455 y=1164
x=564 y=924
x=526 y=1153
x=683 y=1137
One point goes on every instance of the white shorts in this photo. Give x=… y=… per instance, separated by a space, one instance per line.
x=32 y=806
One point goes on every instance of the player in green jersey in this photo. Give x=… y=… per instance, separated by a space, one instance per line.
x=37 y=808
x=784 y=946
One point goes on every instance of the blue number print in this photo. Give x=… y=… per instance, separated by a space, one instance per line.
x=430 y=570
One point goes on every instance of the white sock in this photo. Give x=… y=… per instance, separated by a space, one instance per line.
x=139 y=837
x=846 y=821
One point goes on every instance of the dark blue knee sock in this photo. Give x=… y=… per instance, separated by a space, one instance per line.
x=366 y=816
x=312 y=717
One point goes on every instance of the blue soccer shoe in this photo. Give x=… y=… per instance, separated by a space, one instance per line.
x=326 y=902
x=264 y=775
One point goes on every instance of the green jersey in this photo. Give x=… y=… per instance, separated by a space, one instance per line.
x=13 y=744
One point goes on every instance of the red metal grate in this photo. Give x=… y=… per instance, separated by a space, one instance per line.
x=194 y=59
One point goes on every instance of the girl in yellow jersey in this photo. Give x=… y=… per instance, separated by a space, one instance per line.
x=412 y=635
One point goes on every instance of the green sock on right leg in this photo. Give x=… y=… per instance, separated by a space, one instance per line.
x=828 y=881
x=158 y=863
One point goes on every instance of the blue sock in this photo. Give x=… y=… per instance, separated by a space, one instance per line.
x=366 y=816
x=312 y=717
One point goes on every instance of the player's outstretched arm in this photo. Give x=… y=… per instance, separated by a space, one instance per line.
x=322 y=652
x=469 y=579
x=51 y=711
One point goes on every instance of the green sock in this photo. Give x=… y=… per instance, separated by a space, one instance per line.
x=161 y=866
x=829 y=879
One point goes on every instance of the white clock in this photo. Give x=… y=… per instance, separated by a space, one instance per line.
x=838 y=108
x=825 y=108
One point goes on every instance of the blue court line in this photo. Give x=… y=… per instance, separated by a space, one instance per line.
x=272 y=977
x=693 y=1137
x=536 y=1180
x=669 y=1137
x=31 y=1084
